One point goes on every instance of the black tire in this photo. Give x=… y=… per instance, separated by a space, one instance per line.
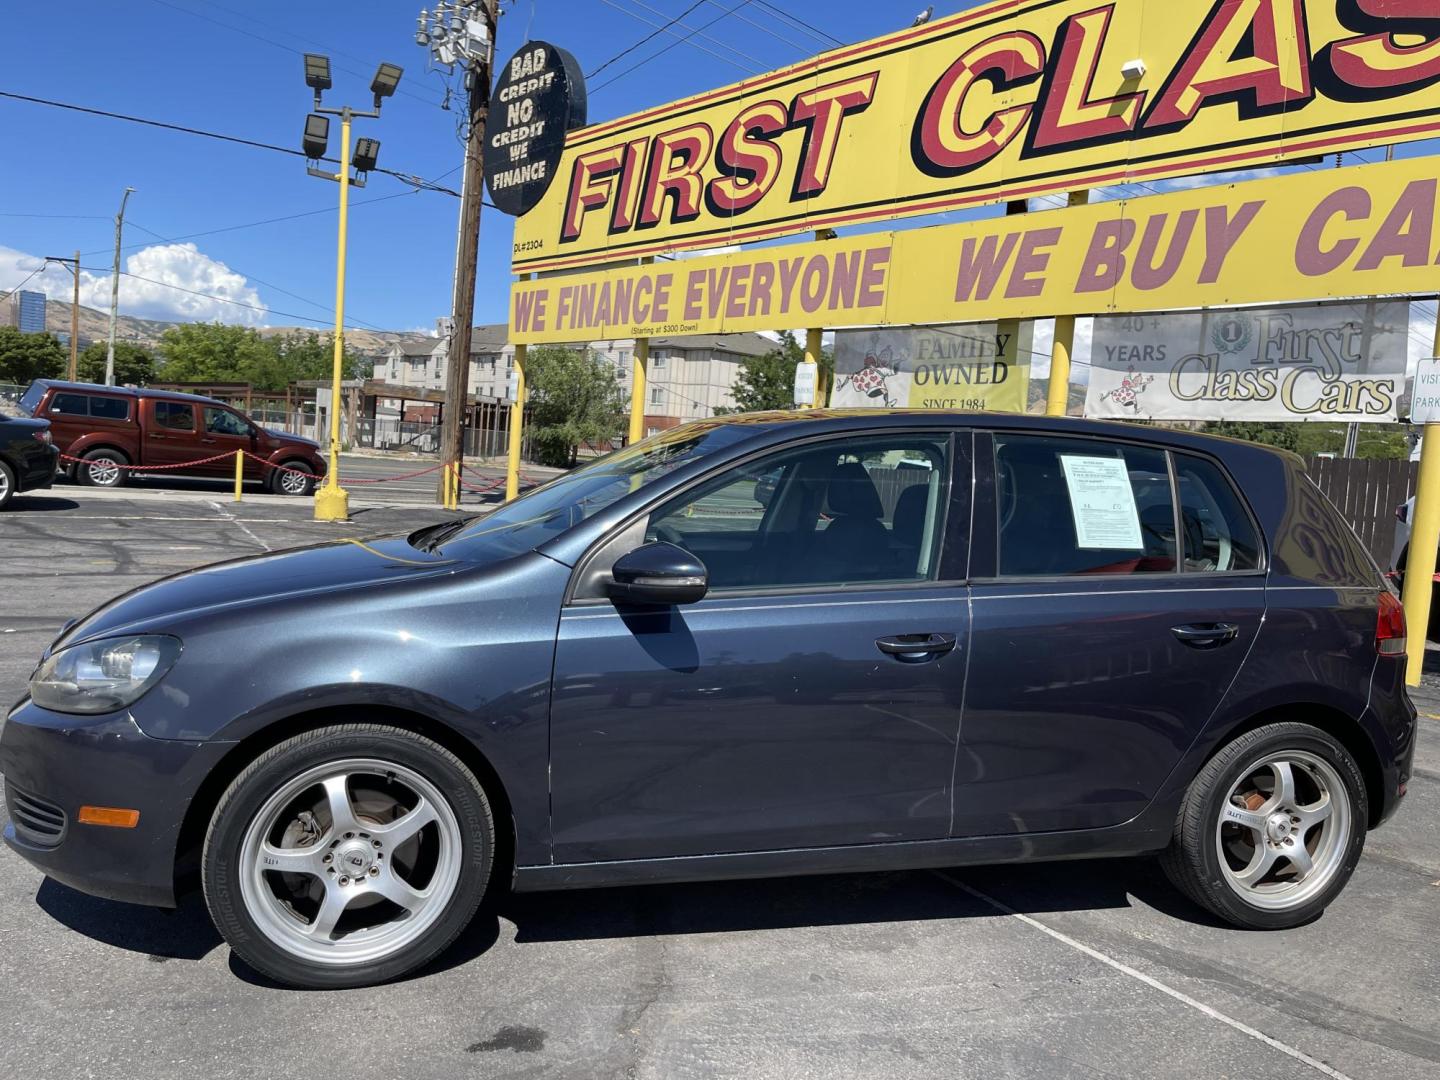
x=1192 y=861
x=7 y=485
x=247 y=796
x=278 y=479
x=108 y=478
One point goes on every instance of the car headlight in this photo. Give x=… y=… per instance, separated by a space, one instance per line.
x=102 y=676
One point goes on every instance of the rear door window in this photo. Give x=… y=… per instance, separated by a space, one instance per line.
x=175 y=415
x=109 y=408
x=1082 y=506
x=1216 y=530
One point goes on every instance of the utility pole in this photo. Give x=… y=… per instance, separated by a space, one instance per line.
x=73 y=265
x=114 y=289
x=462 y=33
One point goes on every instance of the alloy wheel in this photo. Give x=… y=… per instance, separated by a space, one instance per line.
x=350 y=862
x=292 y=483
x=1284 y=829
x=103 y=472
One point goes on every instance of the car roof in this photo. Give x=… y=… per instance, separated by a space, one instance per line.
x=126 y=391
x=767 y=425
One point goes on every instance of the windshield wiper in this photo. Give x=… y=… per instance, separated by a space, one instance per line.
x=435 y=535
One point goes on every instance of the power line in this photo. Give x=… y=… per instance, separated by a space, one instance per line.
x=661 y=52
x=688 y=39
x=269 y=285
x=763 y=29
x=414 y=181
x=826 y=39
x=642 y=41
x=25 y=279
x=707 y=37
x=282 y=45
x=208 y=296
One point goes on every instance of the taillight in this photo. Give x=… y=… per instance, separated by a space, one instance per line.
x=43 y=436
x=1390 y=626
x=1400 y=512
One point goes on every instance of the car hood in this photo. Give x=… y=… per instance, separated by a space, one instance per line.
x=285 y=436
x=339 y=565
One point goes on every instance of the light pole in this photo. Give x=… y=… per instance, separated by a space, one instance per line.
x=463 y=33
x=115 y=290
x=332 y=502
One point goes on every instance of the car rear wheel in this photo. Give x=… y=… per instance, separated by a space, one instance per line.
x=347 y=856
x=7 y=484
x=102 y=468
x=290 y=479
x=1271 y=828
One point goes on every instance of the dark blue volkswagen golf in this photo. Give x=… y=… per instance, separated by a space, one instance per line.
x=766 y=644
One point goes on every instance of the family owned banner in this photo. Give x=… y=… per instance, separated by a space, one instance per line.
x=965 y=366
x=1312 y=362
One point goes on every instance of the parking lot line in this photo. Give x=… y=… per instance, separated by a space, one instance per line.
x=1148 y=980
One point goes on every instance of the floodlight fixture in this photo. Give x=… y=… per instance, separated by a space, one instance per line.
x=317 y=72
x=317 y=136
x=387 y=78
x=367 y=151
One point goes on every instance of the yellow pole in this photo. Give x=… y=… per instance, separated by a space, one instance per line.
x=332 y=502
x=812 y=356
x=517 y=418
x=239 y=472
x=638 y=389
x=1420 y=562
x=1058 y=399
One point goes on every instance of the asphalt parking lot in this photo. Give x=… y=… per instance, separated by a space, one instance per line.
x=1067 y=970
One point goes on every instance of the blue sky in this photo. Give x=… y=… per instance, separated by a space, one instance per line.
x=233 y=66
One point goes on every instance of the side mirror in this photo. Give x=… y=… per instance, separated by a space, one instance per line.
x=660 y=574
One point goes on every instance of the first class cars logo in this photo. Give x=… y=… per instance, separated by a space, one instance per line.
x=1001 y=101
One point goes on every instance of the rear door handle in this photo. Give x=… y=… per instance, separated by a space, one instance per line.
x=916 y=648
x=1206 y=635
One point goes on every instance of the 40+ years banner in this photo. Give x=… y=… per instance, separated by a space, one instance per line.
x=1006 y=100
x=1311 y=362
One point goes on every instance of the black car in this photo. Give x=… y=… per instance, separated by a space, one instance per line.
x=27 y=457
x=763 y=644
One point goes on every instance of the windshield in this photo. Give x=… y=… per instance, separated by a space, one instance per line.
x=568 y=500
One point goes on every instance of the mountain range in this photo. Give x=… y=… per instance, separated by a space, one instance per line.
x=95 y=326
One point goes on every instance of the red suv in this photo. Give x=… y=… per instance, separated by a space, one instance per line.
x=102 y=429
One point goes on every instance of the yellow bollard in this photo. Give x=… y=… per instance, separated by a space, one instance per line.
x=239 y=472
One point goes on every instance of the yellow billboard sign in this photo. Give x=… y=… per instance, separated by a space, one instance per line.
x=1326 y=234
x=1007 y=100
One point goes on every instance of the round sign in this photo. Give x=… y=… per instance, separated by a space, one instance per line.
x=540 y=95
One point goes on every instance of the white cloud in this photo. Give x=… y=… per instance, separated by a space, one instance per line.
x=1044 y=345
x=700 y=253
x=161 y=265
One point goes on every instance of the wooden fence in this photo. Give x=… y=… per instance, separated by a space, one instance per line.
x=1367 y=493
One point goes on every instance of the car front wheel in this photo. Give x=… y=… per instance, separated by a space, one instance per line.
x=1271 y=828
x=347 y=856
x=291 y=479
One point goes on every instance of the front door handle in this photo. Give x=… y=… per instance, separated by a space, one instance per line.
x=1206 y=635
x=916 y=648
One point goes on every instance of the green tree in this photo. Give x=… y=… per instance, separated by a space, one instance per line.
x=1285 y=436
x=575 y=398
x=213 y=352
x=134 y=366
x=29 y=356
x=768 y=381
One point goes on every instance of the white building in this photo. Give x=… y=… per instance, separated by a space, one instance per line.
x=689 y=377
